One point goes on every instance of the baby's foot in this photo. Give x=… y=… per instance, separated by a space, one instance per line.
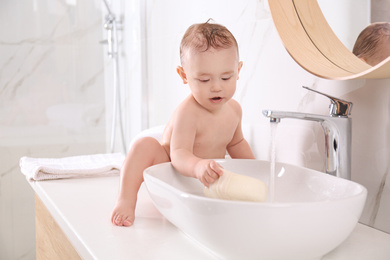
x=123 y=214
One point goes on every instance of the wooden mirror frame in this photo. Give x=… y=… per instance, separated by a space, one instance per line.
x=310 y=41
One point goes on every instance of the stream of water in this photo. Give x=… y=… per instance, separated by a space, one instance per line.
x=271 y=187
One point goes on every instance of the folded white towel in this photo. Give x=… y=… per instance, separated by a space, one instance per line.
x=58 y=168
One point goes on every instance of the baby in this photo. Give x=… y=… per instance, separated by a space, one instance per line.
x=202 y=128
x=373 y=43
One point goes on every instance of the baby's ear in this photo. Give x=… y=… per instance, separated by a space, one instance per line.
x=239 y=69
x=182 y=74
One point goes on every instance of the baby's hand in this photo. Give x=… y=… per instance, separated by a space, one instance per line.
x=208 y=171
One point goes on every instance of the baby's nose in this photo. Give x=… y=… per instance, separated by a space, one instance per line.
x=216 y=87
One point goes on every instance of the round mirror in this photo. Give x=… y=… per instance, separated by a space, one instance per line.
x=312 y=43
x=347 y=18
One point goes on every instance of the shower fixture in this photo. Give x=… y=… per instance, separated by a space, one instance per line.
x=112 y=25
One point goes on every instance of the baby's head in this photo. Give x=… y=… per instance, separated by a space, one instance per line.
x=203 y=36
x=209 y=64
x=373 y=43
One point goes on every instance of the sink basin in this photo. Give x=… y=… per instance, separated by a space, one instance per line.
x=312 y=212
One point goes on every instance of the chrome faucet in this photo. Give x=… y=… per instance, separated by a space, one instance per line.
x=337 y=129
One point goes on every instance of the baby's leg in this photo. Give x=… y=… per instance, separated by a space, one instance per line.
x=145 y=152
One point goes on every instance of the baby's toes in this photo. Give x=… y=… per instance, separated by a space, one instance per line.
x=118 y=220
x=127 y=223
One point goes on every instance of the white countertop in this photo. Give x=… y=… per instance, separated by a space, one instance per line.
x=82 y=208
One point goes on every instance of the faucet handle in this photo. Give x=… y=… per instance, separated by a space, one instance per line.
x=338 y=107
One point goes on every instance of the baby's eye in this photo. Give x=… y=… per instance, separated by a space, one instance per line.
x=204 y=80
x=226 y=78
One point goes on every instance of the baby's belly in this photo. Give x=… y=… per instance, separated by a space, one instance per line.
x=210 y=153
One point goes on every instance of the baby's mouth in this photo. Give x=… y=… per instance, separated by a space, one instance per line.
x=216 y=99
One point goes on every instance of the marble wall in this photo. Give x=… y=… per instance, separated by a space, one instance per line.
x=52 y=100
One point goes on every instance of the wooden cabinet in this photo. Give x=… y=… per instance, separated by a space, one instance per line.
x=51 y=241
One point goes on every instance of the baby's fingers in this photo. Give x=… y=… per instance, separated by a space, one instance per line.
x=213 y=172
x=207 y=179
x=215 y=167
x=211 y=176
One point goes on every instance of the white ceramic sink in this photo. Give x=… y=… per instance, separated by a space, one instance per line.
x=312 y=213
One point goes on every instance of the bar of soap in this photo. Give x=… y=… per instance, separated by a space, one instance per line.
x=233 y=186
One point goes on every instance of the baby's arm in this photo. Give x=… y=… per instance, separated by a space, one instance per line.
x=239 y=148
x=182 y=157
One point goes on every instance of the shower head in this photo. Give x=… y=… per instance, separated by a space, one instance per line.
x=107 y=7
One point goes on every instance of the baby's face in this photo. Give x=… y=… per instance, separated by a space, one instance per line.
x=212 y=76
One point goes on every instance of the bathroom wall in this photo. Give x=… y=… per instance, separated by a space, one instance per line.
x=271 y=79
x=52 y=100
x=380 y=11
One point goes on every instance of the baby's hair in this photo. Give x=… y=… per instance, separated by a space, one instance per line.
x=370 y=38
x=203 y=36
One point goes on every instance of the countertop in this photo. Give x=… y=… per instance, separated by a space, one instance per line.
x=82 y=208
